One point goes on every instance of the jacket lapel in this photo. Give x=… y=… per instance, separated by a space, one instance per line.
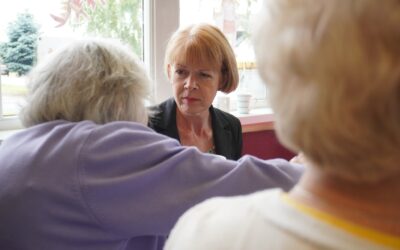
x=164 y=118
x=222 y=135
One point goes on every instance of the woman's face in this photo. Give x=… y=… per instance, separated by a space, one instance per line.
x=194 y=86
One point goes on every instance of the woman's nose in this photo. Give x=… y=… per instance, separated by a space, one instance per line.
x=190 y=83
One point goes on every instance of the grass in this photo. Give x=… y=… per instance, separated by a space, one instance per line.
x=9 y=86
x=10 y=89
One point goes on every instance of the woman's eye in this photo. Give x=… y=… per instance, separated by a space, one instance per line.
x=205 y=75
x=179 y=72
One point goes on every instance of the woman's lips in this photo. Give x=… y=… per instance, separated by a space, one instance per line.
x=189 y=99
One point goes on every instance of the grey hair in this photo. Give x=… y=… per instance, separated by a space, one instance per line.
x=333 y=72
x=91 y=79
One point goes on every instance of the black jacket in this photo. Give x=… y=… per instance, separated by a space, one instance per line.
x=227 y=130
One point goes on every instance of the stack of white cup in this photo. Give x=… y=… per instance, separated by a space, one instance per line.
x=223 y=102
x=243 y=103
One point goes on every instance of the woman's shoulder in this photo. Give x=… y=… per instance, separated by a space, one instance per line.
x=160 y=114
x=165 y=106
x=119 y=129
x=230 y=212
x=236 y=205
x=225 y=116
x=235 y=216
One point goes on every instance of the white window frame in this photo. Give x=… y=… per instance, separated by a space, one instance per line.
x=162 y=20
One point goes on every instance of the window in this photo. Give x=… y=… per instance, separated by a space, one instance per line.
x=32 y=31
x=155 y=20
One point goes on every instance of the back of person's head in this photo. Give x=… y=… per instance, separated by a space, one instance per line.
x=91 y=79
x=204 y=43
x=333 y=72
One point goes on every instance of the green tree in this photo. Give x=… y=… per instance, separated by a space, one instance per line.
x=20 y=50
x=120 y=19
x=3 y=50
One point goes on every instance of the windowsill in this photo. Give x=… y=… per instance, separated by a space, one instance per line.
x=256 y=120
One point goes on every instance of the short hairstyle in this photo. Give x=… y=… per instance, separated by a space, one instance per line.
x=333 y=72
x=91 y=79
x=204 y=43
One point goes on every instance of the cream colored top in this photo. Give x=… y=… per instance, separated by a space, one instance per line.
x=269 y=220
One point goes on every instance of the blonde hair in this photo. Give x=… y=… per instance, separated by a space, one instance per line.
x=204 y=43
x=91 y=79
x=333 y=71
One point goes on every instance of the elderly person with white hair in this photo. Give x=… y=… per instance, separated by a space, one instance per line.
x=87 y=173
x=333 y=72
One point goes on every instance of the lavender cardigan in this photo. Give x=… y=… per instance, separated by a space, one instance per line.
x=67 y=185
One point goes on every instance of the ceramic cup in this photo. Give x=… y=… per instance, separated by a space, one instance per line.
x=243 y=103
x=223 y=102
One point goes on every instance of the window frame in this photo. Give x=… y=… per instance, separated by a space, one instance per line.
x=162 y=18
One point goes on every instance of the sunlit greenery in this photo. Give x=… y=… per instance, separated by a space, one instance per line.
x=19 y=53
x=12 y=89
x=120 y=19
x=9 y=87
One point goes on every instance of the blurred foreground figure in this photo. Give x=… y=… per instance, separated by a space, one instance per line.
x=333 y=71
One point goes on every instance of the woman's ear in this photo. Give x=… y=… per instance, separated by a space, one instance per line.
x=169 y=72
x=222 y=82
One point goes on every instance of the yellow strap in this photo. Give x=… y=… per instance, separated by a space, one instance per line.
x=370 y=234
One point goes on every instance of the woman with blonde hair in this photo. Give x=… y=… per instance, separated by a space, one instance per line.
x=199 y=61
x=333 y=72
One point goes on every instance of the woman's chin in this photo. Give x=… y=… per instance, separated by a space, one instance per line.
x=191 y=111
